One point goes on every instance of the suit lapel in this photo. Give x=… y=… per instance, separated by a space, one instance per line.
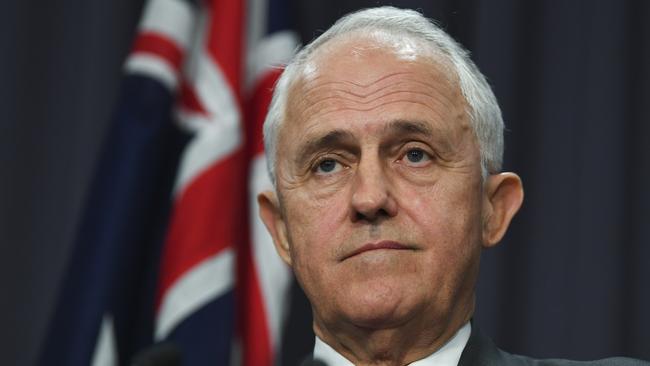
x=480 y=351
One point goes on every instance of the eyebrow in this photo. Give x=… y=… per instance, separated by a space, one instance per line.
x=332 y=139
x=407 y=127
x=411 y=128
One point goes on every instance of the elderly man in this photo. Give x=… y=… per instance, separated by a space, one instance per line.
x=384 y=144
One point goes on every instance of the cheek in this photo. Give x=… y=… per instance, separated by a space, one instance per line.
x=441 y=220
x=317 y=223
x=447 y=216
x=316 y=232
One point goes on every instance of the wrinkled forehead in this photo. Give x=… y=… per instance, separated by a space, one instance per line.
x=365 y=65
x=343 y=55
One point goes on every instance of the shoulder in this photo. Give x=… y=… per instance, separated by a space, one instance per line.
x=480 y=351
x=527 y=361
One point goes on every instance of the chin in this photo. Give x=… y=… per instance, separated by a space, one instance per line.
x=379 y=308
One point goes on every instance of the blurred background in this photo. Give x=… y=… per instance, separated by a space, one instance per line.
x=572 y=277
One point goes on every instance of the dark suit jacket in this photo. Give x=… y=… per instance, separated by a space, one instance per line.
x=480 y=351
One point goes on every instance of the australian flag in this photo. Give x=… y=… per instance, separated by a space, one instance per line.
x=170 y=249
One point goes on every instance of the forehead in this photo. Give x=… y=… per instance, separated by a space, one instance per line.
x=374 y=75
x=363 y=56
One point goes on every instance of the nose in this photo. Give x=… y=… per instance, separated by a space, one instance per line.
x=372 y=199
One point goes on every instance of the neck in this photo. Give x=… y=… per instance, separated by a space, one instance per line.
x=391 y=346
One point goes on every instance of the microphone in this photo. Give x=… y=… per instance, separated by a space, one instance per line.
x=161 y=354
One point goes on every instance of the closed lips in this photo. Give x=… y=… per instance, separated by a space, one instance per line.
x=386 y=244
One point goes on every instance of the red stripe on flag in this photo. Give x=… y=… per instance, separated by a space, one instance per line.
x=189 y=100
x=253 y=327
x=258 y=106
x=225 y=39
x=159 y=45
x=206 y=219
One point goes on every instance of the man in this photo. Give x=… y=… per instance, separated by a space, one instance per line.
x=384 y=144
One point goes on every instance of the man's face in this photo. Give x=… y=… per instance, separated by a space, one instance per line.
x=379 y=184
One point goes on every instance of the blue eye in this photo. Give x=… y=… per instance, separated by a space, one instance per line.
x=327 y=166
x=416 y=156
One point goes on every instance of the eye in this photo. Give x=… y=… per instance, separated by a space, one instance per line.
x=327 y=166
x=416 y=157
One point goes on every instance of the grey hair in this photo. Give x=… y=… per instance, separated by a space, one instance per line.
x=482 y=107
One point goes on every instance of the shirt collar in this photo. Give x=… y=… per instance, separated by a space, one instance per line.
x=447 y=355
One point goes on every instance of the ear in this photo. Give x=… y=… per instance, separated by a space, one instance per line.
x=504 y=194
x=271 y=214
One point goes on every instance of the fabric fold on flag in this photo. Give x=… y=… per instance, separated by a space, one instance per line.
x=170 y=248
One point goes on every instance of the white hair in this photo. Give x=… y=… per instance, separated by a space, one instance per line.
x=482 y=107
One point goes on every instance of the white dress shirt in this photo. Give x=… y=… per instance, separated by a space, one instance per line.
x=447 y=355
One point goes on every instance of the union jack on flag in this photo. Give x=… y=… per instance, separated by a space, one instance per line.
x=170 y=248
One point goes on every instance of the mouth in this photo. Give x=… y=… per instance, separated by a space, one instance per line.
x=382 y=245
